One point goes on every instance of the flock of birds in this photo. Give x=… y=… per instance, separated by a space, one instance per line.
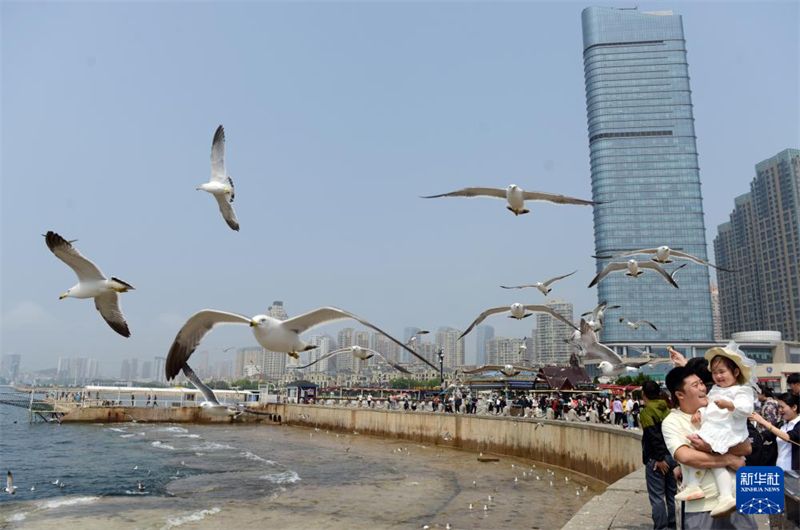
x=284 y=336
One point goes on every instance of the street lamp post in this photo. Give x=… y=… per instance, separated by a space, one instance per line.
x=440 y=353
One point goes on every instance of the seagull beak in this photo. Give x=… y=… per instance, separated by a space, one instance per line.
x=253 y=324
x=63 y=296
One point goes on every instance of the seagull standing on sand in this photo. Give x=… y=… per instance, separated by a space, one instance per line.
x=635 y=325
x=10 y=487
x=221 y=184
x=519 y=312
x=358 y=352
x=91 y=283
x=515 y=196
x=272 y=334
x=544 y=287
x=662 y=255
x=634 y=269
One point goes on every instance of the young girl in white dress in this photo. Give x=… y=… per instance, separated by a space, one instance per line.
x=724 y=420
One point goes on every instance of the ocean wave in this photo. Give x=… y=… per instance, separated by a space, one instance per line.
x=287 y=477
x=210 y=446
x=51 y=505
x=137 y=492
x=116 y=429
x=162 y=445
x=172 y=429
x=187 y=436
x=17 y=517
x=126 y=435
x=250 y=456
x=192 y=517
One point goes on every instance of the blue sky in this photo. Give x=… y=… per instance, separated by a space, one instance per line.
x=338 y=116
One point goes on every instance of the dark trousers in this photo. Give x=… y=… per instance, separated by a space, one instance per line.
x=661 y=489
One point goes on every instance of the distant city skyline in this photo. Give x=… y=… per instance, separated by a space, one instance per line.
x=338 y=116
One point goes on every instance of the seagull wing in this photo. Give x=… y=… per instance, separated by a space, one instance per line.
x=482 y=317
x=391 y=363
x=552 y=312
x=548 y=282
x=594 y=348
x=648 y=323
x=85 y=269
x=684 y=255
x=497 y=193
x=676 y=269
x=518 y=286
x=327 y=355
x=199 y=385
x=594 y=312
x=192 y=332
x=9 y=482
x=323 y=315
x=554 y=198
x=108 y=305
x=226 y=209
x=659 y=269
x=485 y=368
x=218 y=173
x=611 y=267
x=636 y=252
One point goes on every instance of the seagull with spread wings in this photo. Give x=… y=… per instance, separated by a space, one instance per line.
x=598 y=314
x=515 y=196
x=611 y=364
x=509 y=370
x=415 y=337
x=360 y=353
x=662 y=254
x=221 y=184
x=519 y=312
x=211 y=405
x=635 y=325
x=544 y=287
x=91 y=283
x=634 y=270
x=272 y=334
x=10 y=487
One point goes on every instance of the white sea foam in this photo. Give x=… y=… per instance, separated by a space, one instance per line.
x=191 y=518
x=250 y=456
x=287 y=477
x=137 y=492
x=187 y=436
x=172 y=429
x=16 y=517
x=126 y=435
x=51 y=505
x=210 y=446
x=162 y=445
x=116 y=429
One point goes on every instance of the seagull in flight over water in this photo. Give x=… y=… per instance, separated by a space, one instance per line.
x=519 y=312
x=10 y=487
x=221 y=184
x=92 y=283
x=272 y=334
x=515 y=196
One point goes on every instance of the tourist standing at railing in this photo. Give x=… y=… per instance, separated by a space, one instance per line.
x=788 y=433
x=133 y=400
x=661 y=483
x=616 y=406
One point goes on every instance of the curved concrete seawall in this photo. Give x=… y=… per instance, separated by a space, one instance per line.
x=599 y=451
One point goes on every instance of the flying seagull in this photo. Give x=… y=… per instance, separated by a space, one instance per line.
x=662 y=254
x=271 y=333
x=360 y=353
x=211 y=405
x=634 y=269
x=221 y=184
x=515 y=196
x=10 y=487
x=415 y=337
x=598 y=314
x=544 y=288
x=518 y=311
x=91 y=283
x=611 y=364
x=509 y=370
x=635 y=325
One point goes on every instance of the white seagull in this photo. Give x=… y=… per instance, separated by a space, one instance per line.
x=598 y=314
x=634 y=269
x=91 y=283
x=515 y=196
x=507 y=369
x=211 y=405
x=415 y=337
x=611 y=364
x=358 y=352
x=662 y=254
x=635 y=325
x=10 y=487
x=518 y=311
x=272 y=334
x=544 y=287
x=221 y=184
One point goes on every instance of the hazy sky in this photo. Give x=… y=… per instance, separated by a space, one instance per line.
x=337 y=115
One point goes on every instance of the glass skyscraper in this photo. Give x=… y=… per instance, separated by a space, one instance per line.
x=644 y=163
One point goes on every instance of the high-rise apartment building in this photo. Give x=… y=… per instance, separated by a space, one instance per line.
x=9 y=366
x=551 y=332
x=386 y=347
x=447 y=340
x=501 y=350
x=643 y=155
x=324 y=345
x=482 y=334
x=276 y=310
x=147 y=370
x=715 y=311
x=159 y=369
x=761 y=242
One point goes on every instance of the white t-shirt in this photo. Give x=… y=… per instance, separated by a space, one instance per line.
x=785 y=448
x=676 y=428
